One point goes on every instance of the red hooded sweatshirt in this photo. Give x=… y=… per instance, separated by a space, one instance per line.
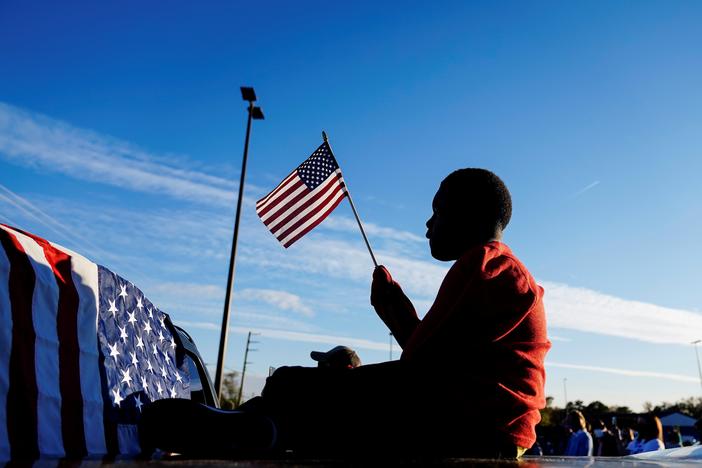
x=485 y=335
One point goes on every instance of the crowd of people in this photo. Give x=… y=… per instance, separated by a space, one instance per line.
x=578 y=437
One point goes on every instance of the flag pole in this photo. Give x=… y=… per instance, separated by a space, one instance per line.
x=355 y=213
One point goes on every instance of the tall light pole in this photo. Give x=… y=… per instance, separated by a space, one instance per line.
x=697 y=354
x=255 y=113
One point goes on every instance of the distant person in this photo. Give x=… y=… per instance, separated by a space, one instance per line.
x=580 y=441
x=470 y=381
x=673 y=438
x=606 y=441
x=650 y=434
x=339 y=357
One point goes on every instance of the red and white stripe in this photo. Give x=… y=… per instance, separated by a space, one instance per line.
x=51 y=402
x=291 y=210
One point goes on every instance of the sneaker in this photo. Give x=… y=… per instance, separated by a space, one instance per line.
x=195 y=430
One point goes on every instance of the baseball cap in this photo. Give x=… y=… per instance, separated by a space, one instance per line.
x=339 y=357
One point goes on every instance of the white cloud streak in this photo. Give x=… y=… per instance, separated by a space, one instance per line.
x=299 y=337
x=585 y=189
x=344 y=224
x=626 y=372
x=591 y=311
x=280 y=299
x=35 y=140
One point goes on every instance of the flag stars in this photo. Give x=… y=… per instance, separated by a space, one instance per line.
x=147 y=327
x=151 y=313
x=138 y=403
x=135 y=361
x=149 y=367
x=132 y=319
x=140 y=304
x=167 y=358
x=113 y=350
x=126 y=378
x=113 y=308
x=163 y=372
x=122 y=291
x=173 y=344
x=155 y=349
x=161 y=319
x=173 y=392
x=123 y=333
x=140 y=343
x=178 y=377
x=116 y=397
x=159 y=390
x=144 y=383
x=160 y=336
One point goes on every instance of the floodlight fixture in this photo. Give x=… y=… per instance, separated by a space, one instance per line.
x=256 y=113
x=248 y=94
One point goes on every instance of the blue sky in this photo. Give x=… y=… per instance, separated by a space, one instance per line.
x=121 y=130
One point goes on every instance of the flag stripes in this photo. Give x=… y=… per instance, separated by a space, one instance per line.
x=55 y=392
x=304 y=198
x=22 y=389
x=5 y=343
x=44 y=316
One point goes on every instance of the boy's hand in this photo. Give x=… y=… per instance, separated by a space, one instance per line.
x=382 y=286
x=392 y=306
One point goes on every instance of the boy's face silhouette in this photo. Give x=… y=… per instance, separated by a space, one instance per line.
x=455 y=227
x=447 y=231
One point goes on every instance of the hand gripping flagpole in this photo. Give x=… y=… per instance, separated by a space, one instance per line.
x=355 y=213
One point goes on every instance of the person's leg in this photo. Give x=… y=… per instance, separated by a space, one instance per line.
x=333 y=411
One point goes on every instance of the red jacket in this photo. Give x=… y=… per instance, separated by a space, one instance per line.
x=485 y=335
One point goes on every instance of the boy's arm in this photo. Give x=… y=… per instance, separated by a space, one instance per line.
x=393 y=306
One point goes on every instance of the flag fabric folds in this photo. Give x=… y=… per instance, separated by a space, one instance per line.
x=304 y=198
x=81 y=352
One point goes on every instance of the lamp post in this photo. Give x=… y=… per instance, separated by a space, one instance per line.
x=697 y=354
x=255 y=113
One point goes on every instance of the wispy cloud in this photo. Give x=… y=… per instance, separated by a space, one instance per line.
x=183 y=289
x=35 y=140
x=300 y=337
x=585 y=189
x=344 y=224
x=27 y=208
x=591 y=311
x=626 y=372
x=280 y=299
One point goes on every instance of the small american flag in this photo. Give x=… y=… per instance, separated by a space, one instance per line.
x=304 y=198
x=81 y=352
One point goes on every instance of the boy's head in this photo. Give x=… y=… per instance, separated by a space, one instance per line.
x=471 y=207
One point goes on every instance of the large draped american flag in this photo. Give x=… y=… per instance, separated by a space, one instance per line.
x=81 y=352
x=304 y=198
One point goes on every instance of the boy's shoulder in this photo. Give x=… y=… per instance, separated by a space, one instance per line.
x=495 y=261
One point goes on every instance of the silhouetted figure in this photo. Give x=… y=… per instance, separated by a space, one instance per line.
x=606 y=441
x=580 y=442
x=650 y=434
x=470 y=381
x=673 y=438
x=339 y=357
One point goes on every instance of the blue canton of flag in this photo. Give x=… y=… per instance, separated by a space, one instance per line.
x=317 y=167
x=138 y=343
